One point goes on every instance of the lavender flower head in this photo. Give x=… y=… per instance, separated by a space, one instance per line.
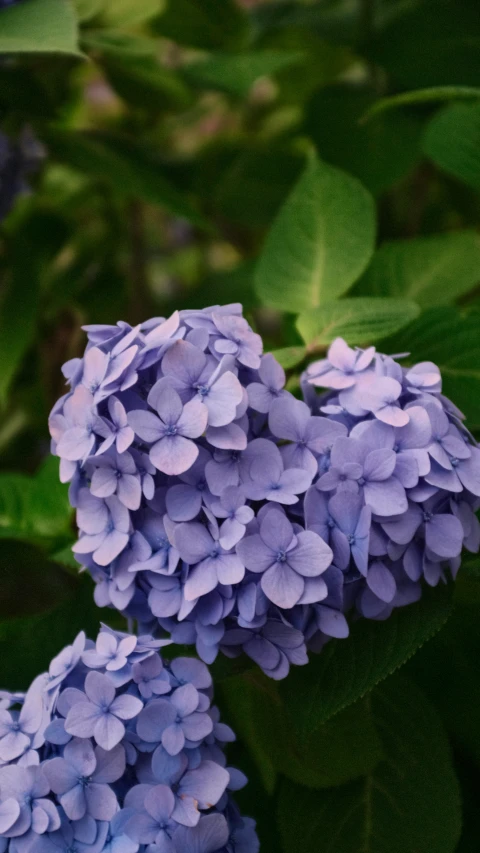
x=115 y=749
x=407 y=460
x=215 y=507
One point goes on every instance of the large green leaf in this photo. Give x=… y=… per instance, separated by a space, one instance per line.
x=86 y=10
x=39 y=26
x=34 y=508
x=338 y=751
x=347 y=669
x=236 y=73
x=452 y=340
x=253 y=187
x=320 y=242
x=360 y=320
x=289 y=356
x=452 y=141
x=452 y=658
x=409 y=802
x=131 y=169
x=431 y=270
x=207 y=24
x=379 y=153
x=430 y=95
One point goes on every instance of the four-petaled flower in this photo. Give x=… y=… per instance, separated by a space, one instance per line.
x=100 y=713
x=171 y=430
x=291 y=563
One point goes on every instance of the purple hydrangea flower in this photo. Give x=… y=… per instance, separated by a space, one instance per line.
x=161 y=784
x=262 y=394
x=26 y=791
x=290 y=563
x=81 y=779
x=170 y=434
x=392 y=486
x=101 y=713
x=215 y=508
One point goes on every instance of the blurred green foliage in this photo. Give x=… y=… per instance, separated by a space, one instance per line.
x=319 y=161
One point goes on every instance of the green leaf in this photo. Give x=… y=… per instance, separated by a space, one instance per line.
x=236 y=73
x=378 y=154
x=431 y=95
x=431 y=270
x=34 y=508
x=206 y=24
x=337 y=751
x=131 y=65
x=452 y=141
x=253 y=187
x=39 y=26
x=360 y=320
x=289 y=356
x=347 y=669
x=452 y=658
x=451 y=340
x=409 y=802
x=131 y=169
x=86 y=10
x=127 y=13
x=320 y=242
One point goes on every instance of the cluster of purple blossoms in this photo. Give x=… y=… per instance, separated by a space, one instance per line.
x=217 y=508
x=116 y=751
x=396 y=495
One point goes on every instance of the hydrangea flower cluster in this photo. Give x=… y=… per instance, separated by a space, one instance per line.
x=115 y=750
x=396 y=496
x=216 y=507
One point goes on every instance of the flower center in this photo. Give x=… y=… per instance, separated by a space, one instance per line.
x=427 y=516
x=171 y=429
x=202 y=390
x=281 y=556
